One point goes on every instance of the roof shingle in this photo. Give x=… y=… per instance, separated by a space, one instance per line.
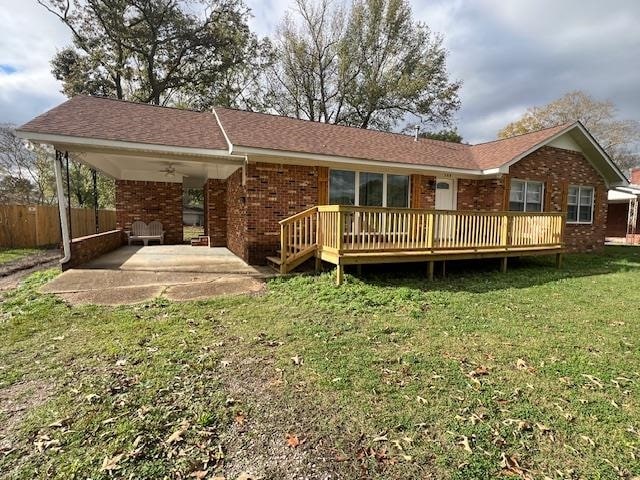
x=110 y=119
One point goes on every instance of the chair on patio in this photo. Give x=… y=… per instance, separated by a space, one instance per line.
x=143 y=232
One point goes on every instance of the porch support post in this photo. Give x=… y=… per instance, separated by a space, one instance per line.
x=318 y=265
x=430 y=269
x=503 y=264
x=66 y=157
x=444 y=268
x=559 y=260
x=339 y=273
x=94 y=175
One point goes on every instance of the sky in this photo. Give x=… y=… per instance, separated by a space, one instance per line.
x=510 y=54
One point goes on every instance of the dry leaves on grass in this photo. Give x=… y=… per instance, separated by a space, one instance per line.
x=509 y=466
x=177 y=436
x=293 y=441
x=522 y=365
x=110 y=464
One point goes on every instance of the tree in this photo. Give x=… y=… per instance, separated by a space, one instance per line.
x=152 y=50
x=28 y=171
x=365 y=67
x=617 y=137
x=444 y=135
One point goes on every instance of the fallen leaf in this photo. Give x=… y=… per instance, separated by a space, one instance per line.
x=225 y=363
x=479 y=371
x=121 y=363
x=292 y=440
x=110 y=464
x=57 y=339
x=240 y=418
x=297 y=360
x=199 y=474
x=246 y=476
x=177 y=435
x=421 y=399
x=465 y=444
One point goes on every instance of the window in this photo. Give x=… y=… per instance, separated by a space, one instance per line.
x=342 y=187
x=580 y=204
x=368 y=189
x=397 y=191
x=371 y=189
x=526 y=196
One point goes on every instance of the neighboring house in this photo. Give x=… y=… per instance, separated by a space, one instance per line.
x=623 y=215
x=193 y=216
x=258 y=169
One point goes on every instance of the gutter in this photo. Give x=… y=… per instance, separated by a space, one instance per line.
x=64 y=221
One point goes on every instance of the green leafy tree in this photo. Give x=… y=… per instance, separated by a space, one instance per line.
x=153 y=51
x=445 y=135
x=618 y=137
x=368 y=66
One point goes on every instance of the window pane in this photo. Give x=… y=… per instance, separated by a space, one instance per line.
x=342 y=187
x=585 y=214
x=586 y=196
x=371 y=189
x=442 y=186
x=572 y=213
x=516 y=194
x=397 y=191
x=572 y=198
x=516 y=206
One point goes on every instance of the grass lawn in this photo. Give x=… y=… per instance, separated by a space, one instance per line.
x=11 y=254
x=532 y=374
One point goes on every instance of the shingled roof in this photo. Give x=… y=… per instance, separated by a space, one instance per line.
x=117 y=120
x=109 y=119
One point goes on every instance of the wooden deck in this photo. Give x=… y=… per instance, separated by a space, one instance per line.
x=345 y=235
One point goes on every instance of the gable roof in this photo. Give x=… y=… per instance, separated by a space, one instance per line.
x=237 y=131
x=119 y=120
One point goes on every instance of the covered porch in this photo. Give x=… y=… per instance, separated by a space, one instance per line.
x=348 y=235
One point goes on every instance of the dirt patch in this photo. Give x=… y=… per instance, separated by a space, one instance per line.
x=15 y=402
x=13 y=279
x=226 y=285
x=28 y=262
x=258 y=445
x=113 y=296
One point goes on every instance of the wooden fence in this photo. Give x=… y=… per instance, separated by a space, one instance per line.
x=39 y=225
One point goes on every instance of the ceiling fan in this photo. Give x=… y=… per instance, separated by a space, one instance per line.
x=169 y=171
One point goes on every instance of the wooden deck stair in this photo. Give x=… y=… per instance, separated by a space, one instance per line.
x=347 y=235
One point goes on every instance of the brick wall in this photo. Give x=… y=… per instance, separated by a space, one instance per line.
x=423 y=194
x=559 y=168
x=237 y=215
x=635 y=176
x=84 y=249
x=617 y=218
x=215 y=211
x=485 y=195
x=148 y=201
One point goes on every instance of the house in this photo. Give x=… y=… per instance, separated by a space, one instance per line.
x=193 y=216
x=292 y=189
x=623 y=218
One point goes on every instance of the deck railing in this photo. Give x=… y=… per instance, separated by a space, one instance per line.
x=347 y=229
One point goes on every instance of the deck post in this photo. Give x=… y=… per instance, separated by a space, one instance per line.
x=283 y=248
x=359 y=269
x=503 y=264
x=558 y=260
x=430 y=269
x=339 y=273
x=318 y=262
x=444 y=268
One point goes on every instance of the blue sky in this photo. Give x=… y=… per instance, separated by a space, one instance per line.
x=510 y=54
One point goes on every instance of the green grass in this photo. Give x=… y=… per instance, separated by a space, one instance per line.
x=11 y=254
x=537 y=371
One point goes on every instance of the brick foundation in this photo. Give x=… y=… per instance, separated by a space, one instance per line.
x=215 y=211
x=148 y=201
x=84 y=249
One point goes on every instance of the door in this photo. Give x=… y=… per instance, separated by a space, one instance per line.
x=445 y=200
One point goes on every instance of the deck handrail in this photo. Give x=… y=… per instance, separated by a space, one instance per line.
x=344 y=229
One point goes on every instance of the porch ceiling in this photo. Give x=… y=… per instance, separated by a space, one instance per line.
x=125 y=164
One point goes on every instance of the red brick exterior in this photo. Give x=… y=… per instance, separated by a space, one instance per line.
x=423 y=193
x=559 y=169
x=617 y=218
x=635 y=176
x=486 y=195
x=237 y=216
x=148 y=201
x=215 y=212
x=84 y=249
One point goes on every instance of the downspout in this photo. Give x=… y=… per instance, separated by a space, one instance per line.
x=64 y=225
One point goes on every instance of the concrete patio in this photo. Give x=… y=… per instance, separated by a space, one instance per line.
x=177 y=272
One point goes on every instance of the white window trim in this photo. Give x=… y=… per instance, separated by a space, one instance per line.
x=526 y=182
x=593 y=205
x=384 y=186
